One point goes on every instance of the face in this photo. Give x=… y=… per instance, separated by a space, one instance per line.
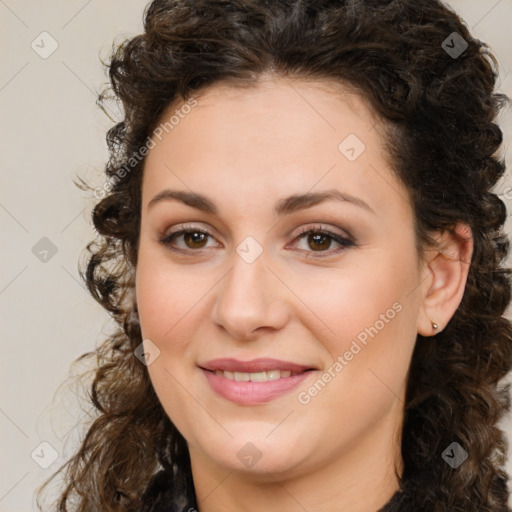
x=277 y=277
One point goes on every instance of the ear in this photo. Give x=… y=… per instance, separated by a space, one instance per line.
x=444 y=275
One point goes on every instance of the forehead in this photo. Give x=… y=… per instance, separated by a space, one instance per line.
x=279 y=135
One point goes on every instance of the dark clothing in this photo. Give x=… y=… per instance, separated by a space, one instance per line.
x=163 y=497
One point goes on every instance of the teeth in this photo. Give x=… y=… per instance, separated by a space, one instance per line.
x=256 y=377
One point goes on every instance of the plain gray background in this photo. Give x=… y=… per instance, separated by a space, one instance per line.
x=51 y=130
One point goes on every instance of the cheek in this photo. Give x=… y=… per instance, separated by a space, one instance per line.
x=165 y=301
x=368 y=326
x=359 y=301
x=165 y=296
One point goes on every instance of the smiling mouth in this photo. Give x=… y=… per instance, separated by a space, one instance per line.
x=255 y=382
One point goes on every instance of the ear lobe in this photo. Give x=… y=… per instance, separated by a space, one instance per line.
x=446 y=271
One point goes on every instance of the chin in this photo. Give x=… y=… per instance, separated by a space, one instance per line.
x=253 y=453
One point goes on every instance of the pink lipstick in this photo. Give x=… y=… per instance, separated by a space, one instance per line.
x=253 y=382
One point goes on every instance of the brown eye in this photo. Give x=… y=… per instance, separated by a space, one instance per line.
x=194 y=239
x=187 y=239
x=320 y=240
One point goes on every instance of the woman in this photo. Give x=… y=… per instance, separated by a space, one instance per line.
x=300 y=245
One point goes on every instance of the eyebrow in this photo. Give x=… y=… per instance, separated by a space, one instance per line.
x=283 y=207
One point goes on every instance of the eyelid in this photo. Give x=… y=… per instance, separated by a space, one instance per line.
x=187 y=226
x=325 y=229
x=302 y=230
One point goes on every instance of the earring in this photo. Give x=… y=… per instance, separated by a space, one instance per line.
x=434 y=326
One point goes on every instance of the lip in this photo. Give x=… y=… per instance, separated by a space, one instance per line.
x=248 y=392
x=253 y=366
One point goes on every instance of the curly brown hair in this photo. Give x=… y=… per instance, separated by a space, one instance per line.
x=440 y=110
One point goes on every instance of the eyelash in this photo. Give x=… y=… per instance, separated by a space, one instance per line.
x=345 y=242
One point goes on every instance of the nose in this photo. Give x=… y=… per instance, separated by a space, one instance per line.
x=251 y=300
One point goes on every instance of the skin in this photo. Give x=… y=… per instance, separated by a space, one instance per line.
x=301 y=301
